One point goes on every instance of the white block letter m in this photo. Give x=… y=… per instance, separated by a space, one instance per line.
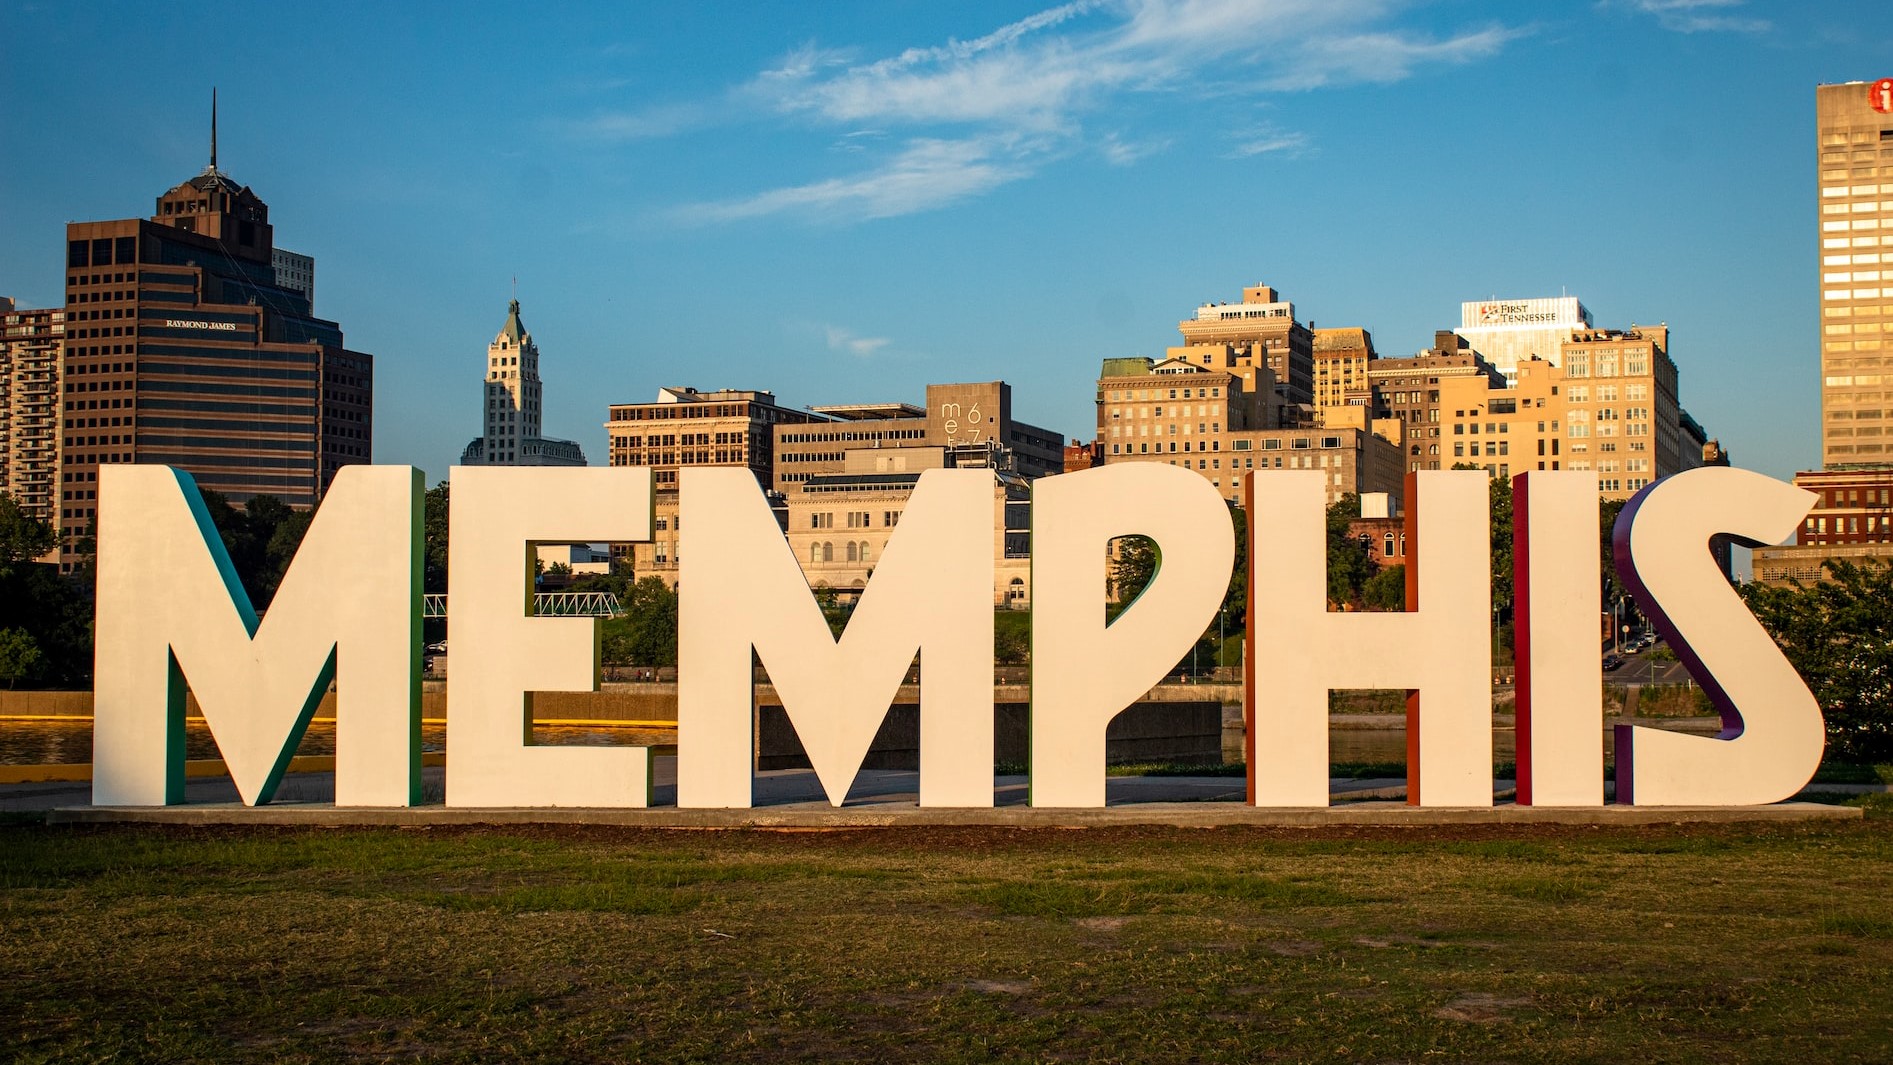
x=170 y=610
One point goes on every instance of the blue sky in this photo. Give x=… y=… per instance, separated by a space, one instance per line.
x=842 y=203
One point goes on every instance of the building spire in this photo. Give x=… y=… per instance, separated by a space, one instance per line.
x=213 y=129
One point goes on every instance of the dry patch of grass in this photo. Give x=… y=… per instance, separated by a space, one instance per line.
x=1706 y=943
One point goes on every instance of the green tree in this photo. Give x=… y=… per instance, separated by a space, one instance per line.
x=1614 y=589
x=1236 y=600
x=1499 y=498
x=1349 y=562
x=261 y=539
x=647 y=633
x=1839 y=636
x=20 y=656
x=434 y=533
x=434 y=555
x=1012 y=637
x=23 y=537
x=49 y=614
x=1386 y=589
x=1132 y=570
x=1607 y=513
x=616 y=583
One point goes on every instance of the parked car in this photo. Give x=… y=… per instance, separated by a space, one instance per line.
x=1612 y=662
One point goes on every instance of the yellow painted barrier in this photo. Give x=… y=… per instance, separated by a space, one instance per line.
x=196 y=767
x=579 y=722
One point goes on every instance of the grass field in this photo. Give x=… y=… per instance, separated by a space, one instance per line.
x=1663 y=944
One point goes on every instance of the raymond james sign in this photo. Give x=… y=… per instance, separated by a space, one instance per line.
x=193 y=323
x=349 y=610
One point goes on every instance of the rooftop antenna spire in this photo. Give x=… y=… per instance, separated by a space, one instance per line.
x=213 y=129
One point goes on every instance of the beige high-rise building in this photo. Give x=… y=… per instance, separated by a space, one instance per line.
x=1505 y=430
x=1624 y=421
x=973 y=419
x=515 y=405
x=1610 y=408
x=1341 y=366
x=1259 y=333
x=30 y=355
x=1176 y=412
x=685 y=427
x=1508 y=332
x=1855 y=129
x=1202 y=419
x=1854 y=146
x=846 y=479
x=839 y=524
x=1408 y=389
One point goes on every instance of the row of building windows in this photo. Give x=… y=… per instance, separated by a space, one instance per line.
x=853 y=551
x=103 y=251
x=658 y=412
x=855 y=519
x=655 y=458
x=1150 y=393
x=1851 y=524
x=1832 y=243
x=1248 y=462
x=1201 y=428
x=861 y=435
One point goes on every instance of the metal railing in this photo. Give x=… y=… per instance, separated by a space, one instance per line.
x=547 y=604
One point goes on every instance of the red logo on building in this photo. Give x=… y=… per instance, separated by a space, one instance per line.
x=1880 y=95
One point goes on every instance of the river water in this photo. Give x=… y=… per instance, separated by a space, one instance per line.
x=69 y=742
x=61 y=742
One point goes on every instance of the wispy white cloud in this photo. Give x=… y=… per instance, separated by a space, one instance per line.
x=1382 y=58
x=1268 y=140
x=660 y=120
x=1698 y=16
x=843 y=340
x=967 y=116
x=858 y=140
x=1120 y=152
x=927 y=173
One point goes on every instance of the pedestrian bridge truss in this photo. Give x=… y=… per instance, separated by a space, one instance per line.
x=548 y=604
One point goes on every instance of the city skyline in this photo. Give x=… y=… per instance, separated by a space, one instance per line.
x=862 y=201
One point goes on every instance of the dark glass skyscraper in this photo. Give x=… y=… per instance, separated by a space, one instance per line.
x=182 y=348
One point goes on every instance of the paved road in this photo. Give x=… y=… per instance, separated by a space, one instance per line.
x=773 y=788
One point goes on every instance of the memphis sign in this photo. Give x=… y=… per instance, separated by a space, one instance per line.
x=171 y=611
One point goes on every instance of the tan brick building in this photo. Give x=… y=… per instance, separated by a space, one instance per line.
x=1623 y=419
x=1408 y=390
x=1505 y=430
x=1341 y=363
x=973 y=418
x=1245 y=338
x=840 y=475
x=685 y=427
x=1201 y=419
x=839 y=523
x=1852 y=519
x=1177 y=412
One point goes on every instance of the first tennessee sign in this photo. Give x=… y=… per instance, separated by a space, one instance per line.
x=171 y=612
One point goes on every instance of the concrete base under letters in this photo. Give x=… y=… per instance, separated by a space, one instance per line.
x=885 y=815
x=792 y=798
